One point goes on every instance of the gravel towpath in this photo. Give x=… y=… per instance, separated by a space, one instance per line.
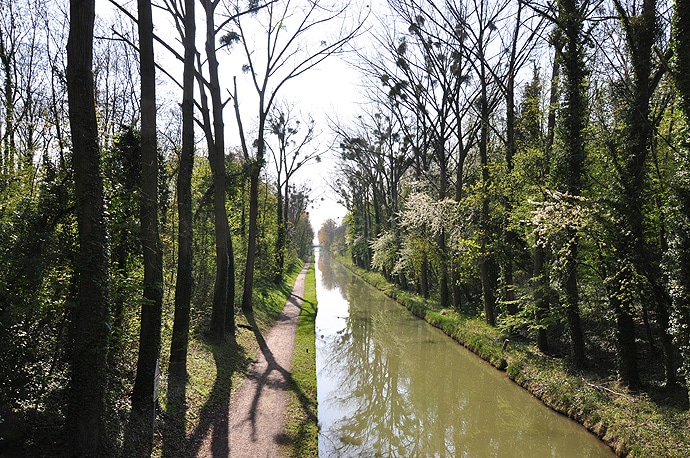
x=257 y=410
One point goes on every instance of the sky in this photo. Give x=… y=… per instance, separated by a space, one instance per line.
x=331 y=91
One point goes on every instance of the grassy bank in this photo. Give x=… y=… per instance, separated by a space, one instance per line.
x=302 y=420
x=648 y=424
x=215 y=371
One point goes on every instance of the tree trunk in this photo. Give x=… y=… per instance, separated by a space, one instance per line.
x=424 y=278
x=663 y=305
x=457 y=292
x=184 y=280
x=572 y=301
x=90 y=323
x=254 y=178
x=487 y=273
x=251 y=243
x=443 y=270
x=459 y=177
x=508 y=276
x=444 y=292
x=487 y=263
x=9 y=149
x=541 y=298
x=216 y=157
x=281 y=238
x=230 y=304
x=571 y=23
x=625 y=329
x=540 y=273
x=681 y=45
x=681 y=242
x=144 y=395
x=220 y=289
x=509 y=236
x=640 y=35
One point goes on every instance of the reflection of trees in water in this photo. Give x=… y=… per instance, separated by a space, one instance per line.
x=406 y=390
x=388 y=416
x=368 y=375
x=328 y=279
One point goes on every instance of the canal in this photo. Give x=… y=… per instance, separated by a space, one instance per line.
x=391 y=385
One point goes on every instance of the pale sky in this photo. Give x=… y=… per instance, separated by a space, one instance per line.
x=330 y=91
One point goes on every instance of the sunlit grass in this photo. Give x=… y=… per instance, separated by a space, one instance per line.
x=302 y=420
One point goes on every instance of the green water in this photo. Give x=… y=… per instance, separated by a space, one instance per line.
x=391 y=385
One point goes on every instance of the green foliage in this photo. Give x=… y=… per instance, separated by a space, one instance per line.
x=530 y=116
x=302 y=238
x=37 y=243
x=356 y=240
x=332 y=237
x=37 y=249
x=678 y=257
x=122 y=176
x=390 y=176
x=416 y=250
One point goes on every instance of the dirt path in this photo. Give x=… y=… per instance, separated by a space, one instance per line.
x=257 y=410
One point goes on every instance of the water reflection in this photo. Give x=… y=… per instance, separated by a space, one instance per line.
x=328 y=280
x=390 y=385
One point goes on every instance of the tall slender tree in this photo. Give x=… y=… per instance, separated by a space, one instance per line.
x=641 y=32
x=540 y=272
x=486 y=17
x=680 y=252
x=289 y=155
x=144 y=395
x=571 y=20
x=222 y=314
x=90 y=321
x=519 y=46
x=184 y=280
x=8 y=61
x=426 y=98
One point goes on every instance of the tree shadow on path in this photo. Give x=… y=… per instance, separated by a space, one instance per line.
x=285 y=382
x=174 y=430
x=228 y=357
x=300 y=438
x=262 y=379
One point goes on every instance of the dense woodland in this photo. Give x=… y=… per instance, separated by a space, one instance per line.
x=528 y=162
x=129 y=224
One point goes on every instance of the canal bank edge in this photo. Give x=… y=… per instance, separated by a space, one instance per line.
x=630 y=423
x=301 y=416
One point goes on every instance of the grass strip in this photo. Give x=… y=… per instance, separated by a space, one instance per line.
x=634 y=424
x=301 y=427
